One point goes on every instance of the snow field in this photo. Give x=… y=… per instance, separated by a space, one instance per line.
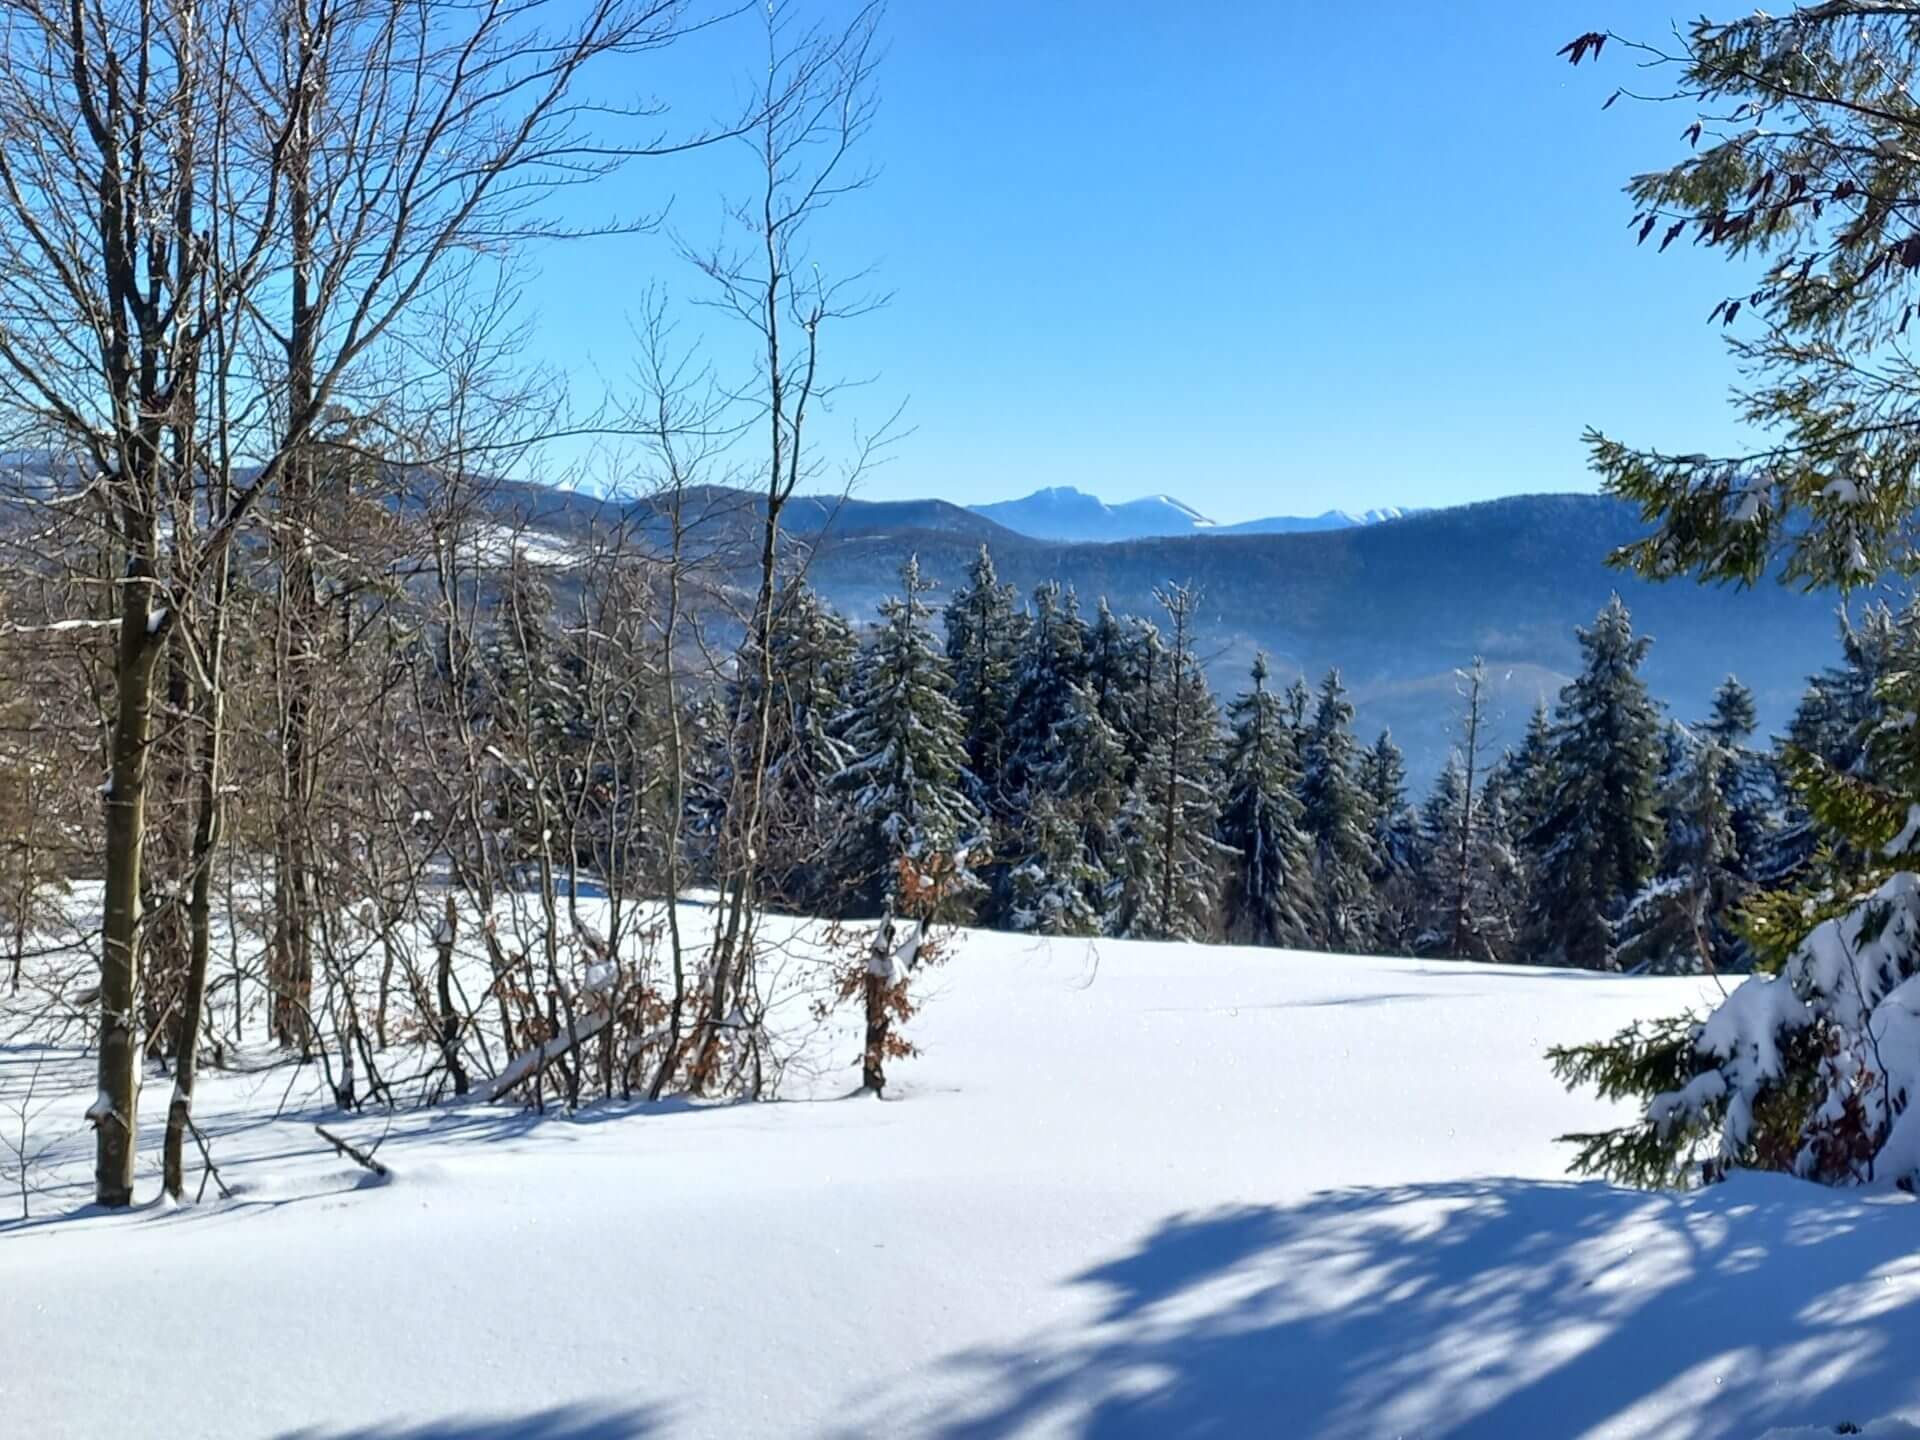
x=1127 y=1189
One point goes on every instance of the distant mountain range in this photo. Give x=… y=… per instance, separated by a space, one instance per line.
x=1396 y=600
x=1397 y=606
x=1062 y=513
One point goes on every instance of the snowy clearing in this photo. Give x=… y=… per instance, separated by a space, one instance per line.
x=1128 y=1189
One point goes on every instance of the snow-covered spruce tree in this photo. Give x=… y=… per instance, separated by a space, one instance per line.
x=1734 y=717
x=1525 y=778
x=1338 y=818
x=1112 y=671
x=1814 y=185
x=1069 y=845
x=1397 y=856
x=1679 y=922
x=1055 y=887
x=1468 y=872
x=1750 y=781
x=1473 y=886
x=1837 y=711
x=1811 y=1064
x=984 y=635
x=1443 y=817
x=1497 y=888
x=815 y=655
x=905 y=782
x=1842 y=702
x=1052 y=660
x=1600 y=837
x=1173 y=864
x=985 y=643
x=1271 y=900
x=1299 y=711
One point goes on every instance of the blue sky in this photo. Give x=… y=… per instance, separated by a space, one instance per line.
x=1268 y=257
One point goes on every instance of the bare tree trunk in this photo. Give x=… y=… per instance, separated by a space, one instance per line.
x=206 y=840
x=299 y=599
x=873 y=989
x=1474 y=683
x=443 y=983
x=115 y=1110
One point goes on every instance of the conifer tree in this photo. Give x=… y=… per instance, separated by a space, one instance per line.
x=1678 y=922
x=1841 y=704
x=1810 y=193
x=1052 y=660
x=1056 y=887
x=1601 y=835
x=1148 y=666
x=1734 y=716
x=815 y=655
x=1070 y=850
x=906 y=780
x=1174 y=864
x=1338 y=818
x=1299 y=706
x=1272 y=901
x=1497 y=896
x=1396 y=845
x=983 y=649
x=1526 y=778
x=1111 y=669
x=1443 y=878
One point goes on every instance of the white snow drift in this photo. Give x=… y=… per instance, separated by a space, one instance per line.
x=1128 y=1190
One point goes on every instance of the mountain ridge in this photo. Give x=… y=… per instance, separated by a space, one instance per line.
x=1063 y=513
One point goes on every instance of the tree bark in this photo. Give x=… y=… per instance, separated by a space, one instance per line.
x=115 y=1112
x=206 y=840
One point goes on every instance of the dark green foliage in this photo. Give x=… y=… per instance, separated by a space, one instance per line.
x=1812 y=186
x=1397 y=856
x=1648 y=1058
x=1530 y=777
x=1173 y=865
x=1338 y=816
x=1052 y=660
x=1112 y=671
x=1271 y=901
x=1471 y=886
x=1681 y=922
x=1057 y=887
x=984 y=634
x=905 y=782
x=1734 y=717
x=1803 y=165
x=1597 y=844
x=1069 y=843
x=815 y=655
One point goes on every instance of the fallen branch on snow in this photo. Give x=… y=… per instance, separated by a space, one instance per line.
x=362 y=1158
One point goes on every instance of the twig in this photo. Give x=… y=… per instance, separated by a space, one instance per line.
x=212 y=1172
x=362 y=1158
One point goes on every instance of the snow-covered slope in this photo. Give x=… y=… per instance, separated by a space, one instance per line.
x=1128 y=1190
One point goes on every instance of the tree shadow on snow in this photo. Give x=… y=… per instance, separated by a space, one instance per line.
x=1496 y=1308
x=562 y=1422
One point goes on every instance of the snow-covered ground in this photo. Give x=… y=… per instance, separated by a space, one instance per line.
x=1128 y=1190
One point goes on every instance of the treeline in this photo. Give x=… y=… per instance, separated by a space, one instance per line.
x=1090 y=783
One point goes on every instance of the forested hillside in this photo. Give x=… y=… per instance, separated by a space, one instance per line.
x=1397 y=606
